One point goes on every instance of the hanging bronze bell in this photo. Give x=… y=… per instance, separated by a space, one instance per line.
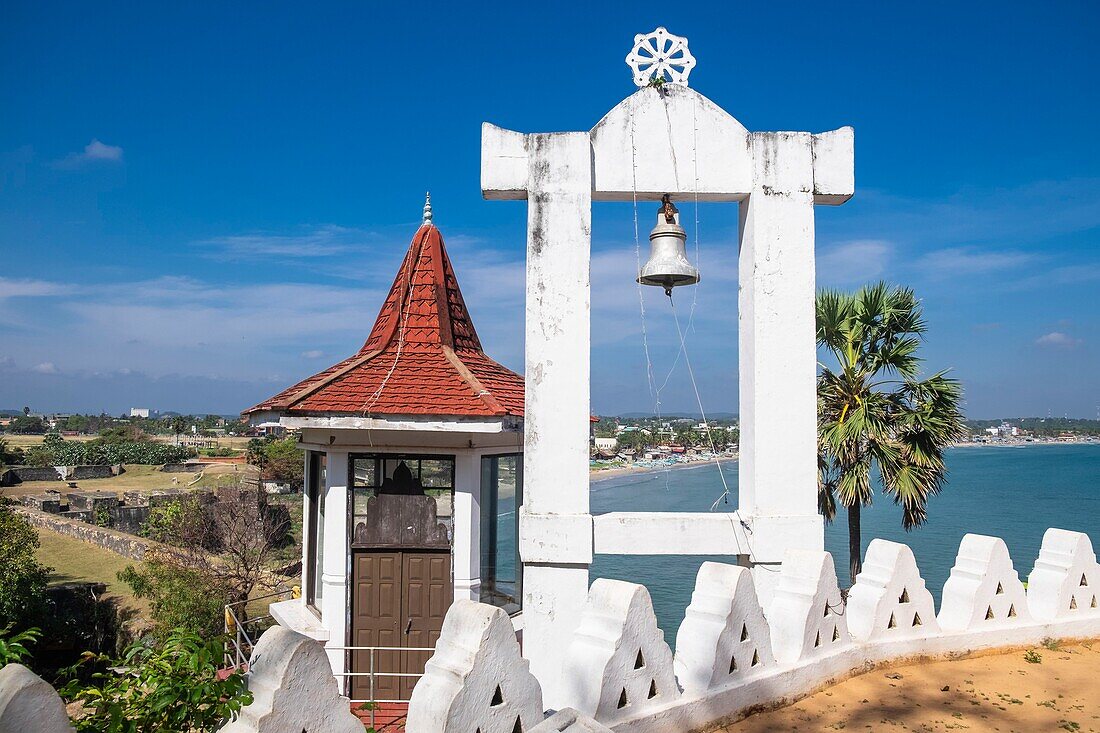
x=668 y=265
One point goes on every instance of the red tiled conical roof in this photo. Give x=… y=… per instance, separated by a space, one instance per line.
x=422 y=357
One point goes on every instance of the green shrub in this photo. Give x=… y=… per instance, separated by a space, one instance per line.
x=173 y=687
x=13 y=647
x=104 y=452
x=180 y=598
x=22 y=577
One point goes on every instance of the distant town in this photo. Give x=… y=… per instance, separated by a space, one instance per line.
x=626 y=438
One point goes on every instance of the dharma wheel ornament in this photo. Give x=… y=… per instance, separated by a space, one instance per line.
x=668 y=265
x=660 y=57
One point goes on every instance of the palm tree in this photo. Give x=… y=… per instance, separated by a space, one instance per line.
x=874 y=413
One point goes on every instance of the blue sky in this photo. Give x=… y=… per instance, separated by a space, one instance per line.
x=201 y=203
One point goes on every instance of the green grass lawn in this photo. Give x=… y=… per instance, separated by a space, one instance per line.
x=73 y=560
x=141 y=478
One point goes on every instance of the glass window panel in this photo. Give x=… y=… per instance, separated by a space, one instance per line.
x=437 y=473
x=376 y=473
x=392 y=464
x=315 y=530
x=360 y=496
x=365 y=472
x=501 y=494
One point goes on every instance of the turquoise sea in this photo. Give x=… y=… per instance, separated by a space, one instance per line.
x=1015 y=493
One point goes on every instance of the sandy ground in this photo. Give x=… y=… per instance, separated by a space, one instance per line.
x=606 y=473
x=1001 y=692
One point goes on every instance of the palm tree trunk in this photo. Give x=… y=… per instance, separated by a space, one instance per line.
x=855 y=554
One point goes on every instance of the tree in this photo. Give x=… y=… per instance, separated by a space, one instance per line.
x=256 y=452
x=8 y=455
x=874 y=413
x=210 y=554
x=179 y=597
x=283 y=462
x=22 y=577
x=179 y=425
x=27 y=425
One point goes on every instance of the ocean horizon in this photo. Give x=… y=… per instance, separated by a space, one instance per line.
x=1015 y=493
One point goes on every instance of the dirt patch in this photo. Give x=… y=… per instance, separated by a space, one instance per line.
x=1055 y=691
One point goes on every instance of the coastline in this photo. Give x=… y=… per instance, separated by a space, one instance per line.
x=1025 y=443
x=602 y=474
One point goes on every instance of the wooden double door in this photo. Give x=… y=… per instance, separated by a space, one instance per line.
x=400 y=599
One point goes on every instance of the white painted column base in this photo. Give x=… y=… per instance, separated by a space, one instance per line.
x=551 y=593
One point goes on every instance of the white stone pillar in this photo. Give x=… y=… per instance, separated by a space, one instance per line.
x=467 y=526
x=557 y=409
x=335 y=566
x=777 y=355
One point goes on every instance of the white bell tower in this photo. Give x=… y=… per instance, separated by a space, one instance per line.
x=664 y=139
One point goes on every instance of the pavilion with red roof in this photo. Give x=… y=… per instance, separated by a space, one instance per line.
x=413 y=451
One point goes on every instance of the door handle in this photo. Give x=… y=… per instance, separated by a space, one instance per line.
x=408 y=627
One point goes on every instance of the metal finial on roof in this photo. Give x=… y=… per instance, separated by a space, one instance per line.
x=428 y=207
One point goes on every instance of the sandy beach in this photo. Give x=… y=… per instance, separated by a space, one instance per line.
x=999 y=692
x=600 y=474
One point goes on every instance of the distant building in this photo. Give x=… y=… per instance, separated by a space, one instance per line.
x=607 y=447
x=139 y=412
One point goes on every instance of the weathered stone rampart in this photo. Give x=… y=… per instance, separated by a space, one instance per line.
x=120 y=543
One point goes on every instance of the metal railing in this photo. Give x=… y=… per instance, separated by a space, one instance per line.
x=241 y=635
x=373 y=673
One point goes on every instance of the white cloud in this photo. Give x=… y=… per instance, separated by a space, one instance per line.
x=46 y=367
x=94 y=152
x=858 y=261
x=1058 y=340
x=179 y=325
x=320 y=242
x=313 y=354
x=11 y=288
x=962 y=261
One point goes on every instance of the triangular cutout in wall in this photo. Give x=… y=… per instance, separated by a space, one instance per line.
x=498 y=697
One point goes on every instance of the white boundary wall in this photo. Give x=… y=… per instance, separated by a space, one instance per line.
x=619 y=674
x=733 y=655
